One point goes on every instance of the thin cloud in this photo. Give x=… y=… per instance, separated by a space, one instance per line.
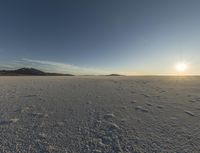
x=51 y=66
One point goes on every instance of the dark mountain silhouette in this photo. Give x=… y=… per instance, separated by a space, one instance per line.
x=114 y=75
x=29 y=72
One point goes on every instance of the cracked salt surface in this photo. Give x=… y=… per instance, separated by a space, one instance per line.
x=99 y=114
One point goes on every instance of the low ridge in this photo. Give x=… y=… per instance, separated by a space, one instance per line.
x=29 y=71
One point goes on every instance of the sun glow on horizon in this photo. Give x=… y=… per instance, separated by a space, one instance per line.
x=181 y=67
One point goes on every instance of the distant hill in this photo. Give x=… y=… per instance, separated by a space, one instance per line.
x=29 y=72
x=114 y=75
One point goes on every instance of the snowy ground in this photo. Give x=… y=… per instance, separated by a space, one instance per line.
x=100 y=114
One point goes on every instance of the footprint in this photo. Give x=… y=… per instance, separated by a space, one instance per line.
x=145 y=95
x=30 y=96
x=60 y=123
x=160 y=106
x=123 y=107
x=113 y=126
x=140 y=108
x=189 y=113
x=148 y=104
x=109 y=116
x=133 y=101
x=192 y=101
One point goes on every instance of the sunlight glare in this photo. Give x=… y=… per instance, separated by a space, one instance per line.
x=181 y=67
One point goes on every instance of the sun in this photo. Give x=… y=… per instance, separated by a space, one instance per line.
x=181 y=67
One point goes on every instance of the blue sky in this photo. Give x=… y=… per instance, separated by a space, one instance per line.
x=100 y=36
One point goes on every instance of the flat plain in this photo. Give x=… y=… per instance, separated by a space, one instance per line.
x=99 y=114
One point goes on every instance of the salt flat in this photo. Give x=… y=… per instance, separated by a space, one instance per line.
x=94 y=114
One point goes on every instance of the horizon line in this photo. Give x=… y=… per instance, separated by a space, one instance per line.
x=115 y=74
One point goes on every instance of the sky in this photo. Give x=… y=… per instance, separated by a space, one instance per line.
x=133 y=37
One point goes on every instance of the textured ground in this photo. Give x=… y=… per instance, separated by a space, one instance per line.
x=100 y=114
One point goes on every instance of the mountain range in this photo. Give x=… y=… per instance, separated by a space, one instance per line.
x=29 y=72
